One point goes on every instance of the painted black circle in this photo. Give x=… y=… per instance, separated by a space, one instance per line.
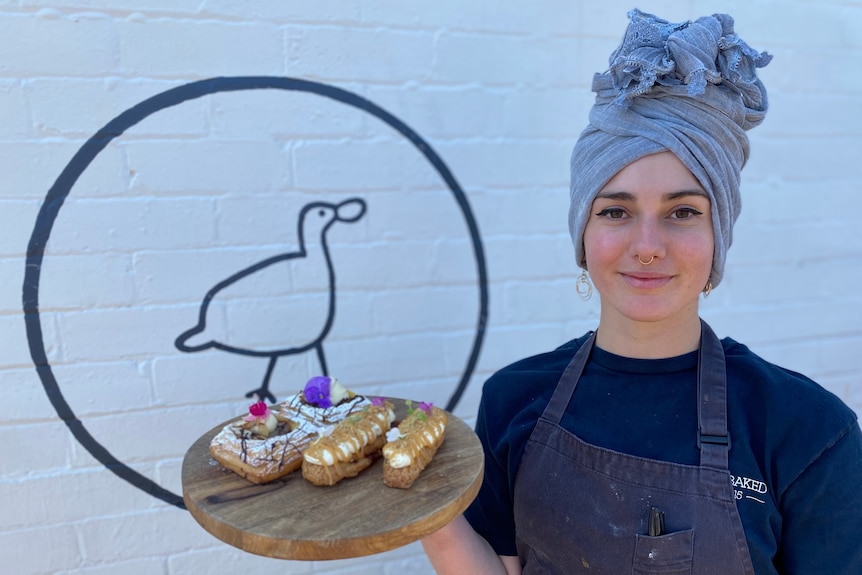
x=90 y=150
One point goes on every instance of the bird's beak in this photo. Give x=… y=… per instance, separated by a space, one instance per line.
x=350 y=210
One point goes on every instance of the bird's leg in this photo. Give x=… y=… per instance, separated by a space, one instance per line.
x=319 y=348
x=263 y=391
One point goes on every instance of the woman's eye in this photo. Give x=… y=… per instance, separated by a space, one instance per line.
x=612 y=213
x=686 y=213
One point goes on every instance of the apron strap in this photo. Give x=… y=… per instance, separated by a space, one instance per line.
x=713 y=437
x=568 y=381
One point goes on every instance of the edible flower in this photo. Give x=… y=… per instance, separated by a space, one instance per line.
x=423 y=407
x=378 y=401
x=258 y=412
x=316 y=391
x=394 y=434
x=260 y=420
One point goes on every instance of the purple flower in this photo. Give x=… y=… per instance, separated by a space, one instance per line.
x=316 y=391
x=426 y=407
x=378 y=401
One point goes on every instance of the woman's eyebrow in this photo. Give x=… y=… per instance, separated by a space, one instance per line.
x=685 y=193
x=671 y=196
x=619 y=196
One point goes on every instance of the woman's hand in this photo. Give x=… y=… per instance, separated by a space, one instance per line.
x=456 y=549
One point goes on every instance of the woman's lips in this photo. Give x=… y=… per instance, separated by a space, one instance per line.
x=646 y=281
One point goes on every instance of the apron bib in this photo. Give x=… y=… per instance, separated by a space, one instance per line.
x=580 y=508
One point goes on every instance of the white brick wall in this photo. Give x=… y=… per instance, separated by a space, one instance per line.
x=194 y=192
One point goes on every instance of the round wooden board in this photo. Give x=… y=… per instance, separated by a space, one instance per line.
x=292 y=519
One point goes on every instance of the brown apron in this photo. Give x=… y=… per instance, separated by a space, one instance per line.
x=580 y=508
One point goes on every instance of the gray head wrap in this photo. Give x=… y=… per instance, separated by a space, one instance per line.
x=690 y=88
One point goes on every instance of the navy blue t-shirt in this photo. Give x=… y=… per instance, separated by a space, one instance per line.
x=795 y=462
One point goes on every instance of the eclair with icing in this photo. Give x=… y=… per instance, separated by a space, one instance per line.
x=351 y=446
x=413 y=445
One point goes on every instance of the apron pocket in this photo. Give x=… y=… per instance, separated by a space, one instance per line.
x=669 y=554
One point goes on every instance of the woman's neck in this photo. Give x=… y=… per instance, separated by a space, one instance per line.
x=648 y=340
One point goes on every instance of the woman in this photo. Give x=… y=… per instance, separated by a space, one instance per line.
x=649 y=446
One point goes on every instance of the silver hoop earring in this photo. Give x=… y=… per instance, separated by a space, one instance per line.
x=584 y=287
x=643 y=263
x=708 y=289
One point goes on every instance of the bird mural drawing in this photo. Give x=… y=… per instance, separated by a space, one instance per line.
x=303 y=317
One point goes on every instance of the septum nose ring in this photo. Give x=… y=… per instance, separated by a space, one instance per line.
x=643 y=263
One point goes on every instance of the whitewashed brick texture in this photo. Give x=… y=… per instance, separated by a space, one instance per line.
x=197 y=191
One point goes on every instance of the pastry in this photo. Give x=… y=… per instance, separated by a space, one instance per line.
x=268 y=443
x=350 y=447
x=412 y=445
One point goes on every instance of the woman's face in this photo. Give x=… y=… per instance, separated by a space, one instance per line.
x=653 y=210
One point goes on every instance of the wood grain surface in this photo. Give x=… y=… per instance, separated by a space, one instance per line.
x=293 y=519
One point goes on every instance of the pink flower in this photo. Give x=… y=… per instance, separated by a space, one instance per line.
x=257 y=412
